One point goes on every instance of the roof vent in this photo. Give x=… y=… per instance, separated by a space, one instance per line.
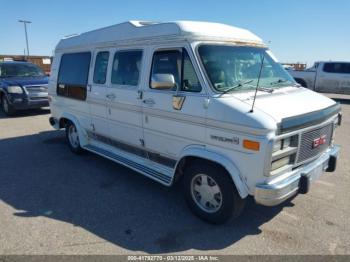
x=69 y=36
x=143 y=23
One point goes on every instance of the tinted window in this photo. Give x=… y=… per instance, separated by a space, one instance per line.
x=179 y=65
x=73 y=75
x=126 y=68
x=339 y=68
x=101 y=65
x=20 y=70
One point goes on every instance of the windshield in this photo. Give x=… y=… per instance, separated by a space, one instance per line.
x=20 y=70
x=232 y=68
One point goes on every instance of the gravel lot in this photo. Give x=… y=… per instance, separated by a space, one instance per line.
x=54 y=202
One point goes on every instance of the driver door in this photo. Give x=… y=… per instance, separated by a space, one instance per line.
x=172 y=117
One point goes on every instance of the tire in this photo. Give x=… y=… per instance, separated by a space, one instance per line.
x=72 y=137
x=225 y=203
x=6 y=107
x=301 y=82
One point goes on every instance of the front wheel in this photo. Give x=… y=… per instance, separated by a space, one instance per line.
x=6 y=107
x=210 y=193
x=72 y=136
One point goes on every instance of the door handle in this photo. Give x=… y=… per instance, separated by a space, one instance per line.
x=149 y=101
x=111 y=96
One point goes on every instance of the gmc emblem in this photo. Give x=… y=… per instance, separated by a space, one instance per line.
x=319 y=141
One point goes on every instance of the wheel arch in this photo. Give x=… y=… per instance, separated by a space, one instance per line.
x=2 y=93
x=301 y=81
x=199 y=152
x=66 y=118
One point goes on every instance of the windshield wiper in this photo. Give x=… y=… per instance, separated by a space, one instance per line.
x=284 y=81
x=266 y=89
x=236 y=86
x=279 y=81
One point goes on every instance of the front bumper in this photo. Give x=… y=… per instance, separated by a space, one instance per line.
x=20 y=102
x=298 y=181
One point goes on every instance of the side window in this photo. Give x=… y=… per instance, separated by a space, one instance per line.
x=190 y=82
x=126 y=68
x=73 y=75
x=101 y=65
x=167 y=62
x=338 y=68
x=347 y=68
x=179 y=65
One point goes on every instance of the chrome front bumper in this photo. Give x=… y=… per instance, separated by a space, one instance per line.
x=298 y=181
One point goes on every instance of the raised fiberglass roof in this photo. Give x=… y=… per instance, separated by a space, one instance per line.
x=138 y=30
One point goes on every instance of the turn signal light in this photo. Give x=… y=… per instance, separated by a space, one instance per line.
x=251 y=145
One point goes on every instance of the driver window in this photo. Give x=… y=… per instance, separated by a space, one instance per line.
x=177 y=63
x=167 y=62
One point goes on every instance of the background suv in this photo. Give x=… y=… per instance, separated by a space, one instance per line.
x=23 y=85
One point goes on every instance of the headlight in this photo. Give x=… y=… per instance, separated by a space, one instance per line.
x=15 y=90
x=280 y=163
x=284 y=152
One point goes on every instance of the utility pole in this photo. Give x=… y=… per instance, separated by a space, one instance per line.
x=25 y=31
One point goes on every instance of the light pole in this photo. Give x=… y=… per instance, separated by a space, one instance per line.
x=25 y=31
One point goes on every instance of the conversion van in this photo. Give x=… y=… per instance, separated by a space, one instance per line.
x=202 y=103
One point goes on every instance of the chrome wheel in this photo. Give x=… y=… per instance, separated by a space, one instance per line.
x=73 y=136
x=206 y=193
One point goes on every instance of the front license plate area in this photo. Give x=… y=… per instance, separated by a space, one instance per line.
x=306 y=179
x=315 y=173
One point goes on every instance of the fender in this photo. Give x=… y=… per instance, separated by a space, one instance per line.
x=202 y=152
x=83 y=137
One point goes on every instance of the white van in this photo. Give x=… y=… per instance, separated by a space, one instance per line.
x=204 y=103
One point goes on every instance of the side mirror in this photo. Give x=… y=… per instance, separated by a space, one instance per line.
x=163 y=81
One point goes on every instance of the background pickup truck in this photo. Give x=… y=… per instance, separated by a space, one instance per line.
x=329 y=77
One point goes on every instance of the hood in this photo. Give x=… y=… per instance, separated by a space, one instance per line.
x=287 y=102
x=24 y=81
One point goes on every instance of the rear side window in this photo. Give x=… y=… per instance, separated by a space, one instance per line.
x=338 y=68
x=178 y=64
x=101 y=65
x=126 y=68
x=73 y=75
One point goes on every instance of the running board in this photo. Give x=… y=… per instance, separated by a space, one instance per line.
x=149 y=172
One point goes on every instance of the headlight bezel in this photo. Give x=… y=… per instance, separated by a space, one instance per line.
x=15 y=89
x=283 y=152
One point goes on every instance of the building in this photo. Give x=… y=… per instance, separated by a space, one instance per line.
x=295 y=66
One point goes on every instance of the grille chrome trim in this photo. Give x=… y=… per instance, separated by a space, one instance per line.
x=306 y=151
x=36 y=92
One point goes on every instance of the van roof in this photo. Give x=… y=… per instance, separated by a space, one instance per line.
x=141 y=30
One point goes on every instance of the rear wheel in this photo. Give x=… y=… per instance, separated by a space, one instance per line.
x=6 y=107
x=72 y=136
x=211 y=193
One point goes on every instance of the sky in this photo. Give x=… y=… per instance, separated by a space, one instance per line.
x=295 y=30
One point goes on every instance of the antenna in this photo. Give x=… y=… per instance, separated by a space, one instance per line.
x=257 y=84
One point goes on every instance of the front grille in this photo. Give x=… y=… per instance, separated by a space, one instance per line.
x=37 y=92
x=307 y=149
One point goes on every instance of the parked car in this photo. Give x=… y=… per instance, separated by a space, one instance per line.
x=329 y=77
x=23 y=85
x=202 y=103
